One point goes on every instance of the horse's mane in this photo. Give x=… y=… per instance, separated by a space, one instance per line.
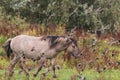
x=53 y=40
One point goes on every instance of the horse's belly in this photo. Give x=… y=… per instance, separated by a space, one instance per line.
x=33 y=56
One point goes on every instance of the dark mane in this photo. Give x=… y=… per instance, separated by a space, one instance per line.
x=52 y=39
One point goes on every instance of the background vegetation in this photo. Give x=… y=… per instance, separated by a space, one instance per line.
x=86 y=14
x=97 y=33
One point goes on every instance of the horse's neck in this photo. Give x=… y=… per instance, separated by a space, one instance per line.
x=59 y=49
x=54 y=52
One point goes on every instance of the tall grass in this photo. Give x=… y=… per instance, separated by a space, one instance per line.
x=93 y=58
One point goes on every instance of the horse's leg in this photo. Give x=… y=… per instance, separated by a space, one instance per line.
x=21 y=63
x=53 y=67
x=12 y=64
x=40 y=66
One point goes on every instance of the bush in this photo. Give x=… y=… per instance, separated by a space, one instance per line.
x=87 y=14
x=2 y=39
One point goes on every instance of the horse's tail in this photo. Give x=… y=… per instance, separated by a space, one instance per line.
x=7 y=48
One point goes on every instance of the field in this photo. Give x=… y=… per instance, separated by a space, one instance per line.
x=100 y=58
x=94 y=24
x=68 y=74
x=65 y=73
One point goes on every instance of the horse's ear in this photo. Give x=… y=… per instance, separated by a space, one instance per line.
x=72 y=32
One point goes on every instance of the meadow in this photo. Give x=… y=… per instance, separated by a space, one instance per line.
x=100 y=59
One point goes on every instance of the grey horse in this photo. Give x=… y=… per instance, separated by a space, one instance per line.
x=38 y=48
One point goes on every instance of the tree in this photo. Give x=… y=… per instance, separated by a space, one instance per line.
x=86 y=14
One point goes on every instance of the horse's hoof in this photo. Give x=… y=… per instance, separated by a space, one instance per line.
x=20 y=72
x=10 y=74
x=34 y=75
x=43 y=74
x=8 y=78
x=27 y=78
x=27 y=74
x=54 y=76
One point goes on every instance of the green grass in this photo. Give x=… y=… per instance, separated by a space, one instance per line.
x=2 y=39
x=65 y=74
x=106 y=75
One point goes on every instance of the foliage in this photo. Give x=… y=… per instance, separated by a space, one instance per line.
x=69 y=70
x=87 y=14
x=50 y=17
x=2 y=39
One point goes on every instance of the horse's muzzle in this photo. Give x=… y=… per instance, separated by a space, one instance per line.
x=76 y=55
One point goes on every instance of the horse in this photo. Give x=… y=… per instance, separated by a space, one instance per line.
x=38 y=48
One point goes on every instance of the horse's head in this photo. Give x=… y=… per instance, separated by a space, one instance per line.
x=64 y=43
x=73 y=48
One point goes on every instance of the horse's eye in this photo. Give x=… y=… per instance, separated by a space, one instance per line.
x=73 y=46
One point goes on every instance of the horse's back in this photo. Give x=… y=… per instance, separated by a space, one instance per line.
x=22 y=38
x=22 y=42
x=25 y=37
